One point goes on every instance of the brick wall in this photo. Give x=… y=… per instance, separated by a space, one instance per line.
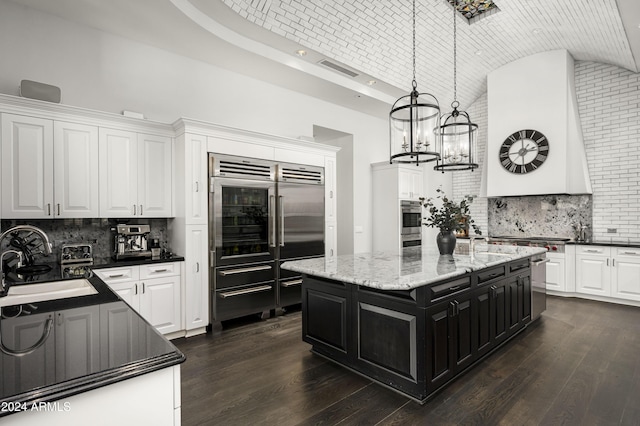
x=609 y=106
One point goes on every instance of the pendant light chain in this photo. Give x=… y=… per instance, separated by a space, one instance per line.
x=414 y=83
x=455 y=54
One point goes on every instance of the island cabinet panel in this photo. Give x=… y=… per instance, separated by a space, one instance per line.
x=388 y=346
x=519 y=300
x=325 y=310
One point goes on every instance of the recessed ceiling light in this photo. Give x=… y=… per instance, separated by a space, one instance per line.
x=371 y=82
x=301 y=52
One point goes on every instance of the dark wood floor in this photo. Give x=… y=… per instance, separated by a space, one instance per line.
x=579 y=365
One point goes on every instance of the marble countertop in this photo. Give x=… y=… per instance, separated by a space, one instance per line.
x=412 y=268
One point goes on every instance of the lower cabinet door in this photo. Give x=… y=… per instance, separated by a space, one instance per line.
x=440 y=361
x=160 y=303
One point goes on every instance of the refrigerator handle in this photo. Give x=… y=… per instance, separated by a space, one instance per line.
x=272 y=220
x=281 y=220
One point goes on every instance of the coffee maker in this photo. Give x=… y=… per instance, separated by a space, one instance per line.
x=131 y=241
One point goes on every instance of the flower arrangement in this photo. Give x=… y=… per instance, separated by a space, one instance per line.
x=451 y=216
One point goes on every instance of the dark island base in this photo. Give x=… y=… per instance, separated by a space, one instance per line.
x=417 y=341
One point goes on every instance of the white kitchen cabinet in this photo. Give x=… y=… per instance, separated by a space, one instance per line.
x=625 y=273
x=593 y=275
x=153 y=290
x=196 y=177
x=49 y=168
x=556 y=272
x=136 y=174
x=330 y=213
x=410 y=182
x=196 y=266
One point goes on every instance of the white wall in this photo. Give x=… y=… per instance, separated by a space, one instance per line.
x=101 y=71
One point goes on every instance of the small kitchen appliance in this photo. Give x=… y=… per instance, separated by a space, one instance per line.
x=76 y=260
x=130 y=241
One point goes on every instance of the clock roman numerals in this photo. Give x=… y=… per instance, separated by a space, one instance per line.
x=524 y=151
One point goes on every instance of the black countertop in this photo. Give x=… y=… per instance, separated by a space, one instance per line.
x=43 y=376
x=607 y=243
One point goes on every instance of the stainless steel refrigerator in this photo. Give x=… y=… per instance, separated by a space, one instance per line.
x=261 y=213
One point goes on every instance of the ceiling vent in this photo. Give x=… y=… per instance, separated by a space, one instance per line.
x=338 y=68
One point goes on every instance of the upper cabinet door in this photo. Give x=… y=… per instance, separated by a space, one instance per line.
x=196 y=176
x=118 y=173
x=27 y=167
x=155 y=176
x=75 y=170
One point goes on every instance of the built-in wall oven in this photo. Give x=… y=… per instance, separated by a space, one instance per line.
x=410 y=223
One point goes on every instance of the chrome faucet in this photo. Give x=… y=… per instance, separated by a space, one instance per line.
x=472 y=243
x=39 y=232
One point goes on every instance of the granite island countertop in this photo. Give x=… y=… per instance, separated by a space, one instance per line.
x=107 y=353
x=412 y=268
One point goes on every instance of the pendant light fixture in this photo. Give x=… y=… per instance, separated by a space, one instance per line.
x=413 y=122
x=457 y=142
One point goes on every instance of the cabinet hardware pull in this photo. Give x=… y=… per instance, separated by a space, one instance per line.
x=134 y=209
x=330 y=194
x=613 y=262
x=630 y=252
x=592 y=251
x=142 y=288
x=272 y=220
x=141 y=210
x=135 y=291
x=244 y=291
x=540 y=262
x=331 y=252
x=115 y=275
x=160 y=270
x=291 y=283
x=244 y=270
x=58 y=209
x=197 y=187
x=607 y=262
x=48 y=209
x=281 y=221
x=454 y=288
x=60 y=319
x=197 y=266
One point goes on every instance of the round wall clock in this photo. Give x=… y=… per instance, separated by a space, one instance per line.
x=524 y=151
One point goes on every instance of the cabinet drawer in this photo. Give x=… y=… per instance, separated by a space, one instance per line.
x=629 y=251
x=594 y=250
x=245 y=300
x=232 y=276
x=118 y=275
x=442 y=290
x=517 y=265
x=290 y=291
x=158 y=270
x=490 y=274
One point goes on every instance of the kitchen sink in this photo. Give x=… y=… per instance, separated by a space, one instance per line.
x=40 y=292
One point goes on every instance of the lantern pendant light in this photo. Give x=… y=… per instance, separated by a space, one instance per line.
x=457 y=142
x=414 y=121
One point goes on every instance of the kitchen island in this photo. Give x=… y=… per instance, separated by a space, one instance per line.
x=415 y=321
x=84 y=359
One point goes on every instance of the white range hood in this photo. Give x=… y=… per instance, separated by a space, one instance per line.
x=536 y=94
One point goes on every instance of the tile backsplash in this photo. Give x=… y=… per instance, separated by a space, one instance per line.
x=96 y=232
x=540 y=215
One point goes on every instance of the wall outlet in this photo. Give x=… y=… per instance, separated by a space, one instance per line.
x=612 y=230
